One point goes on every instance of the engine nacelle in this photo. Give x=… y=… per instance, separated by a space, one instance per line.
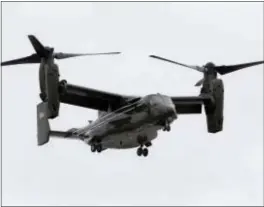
x=214 y=111
x=52 y=89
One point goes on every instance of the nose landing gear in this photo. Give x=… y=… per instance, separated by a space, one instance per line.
x=166 y=126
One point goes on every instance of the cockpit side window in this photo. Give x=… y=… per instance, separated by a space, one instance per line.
x=155 y=100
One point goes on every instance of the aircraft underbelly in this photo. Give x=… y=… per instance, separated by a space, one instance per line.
x=129 y=139
x=121 y=131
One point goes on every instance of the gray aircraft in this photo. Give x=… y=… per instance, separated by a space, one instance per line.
x=123 y=121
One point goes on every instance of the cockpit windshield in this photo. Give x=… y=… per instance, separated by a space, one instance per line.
x=158 y=99
x=155 y=99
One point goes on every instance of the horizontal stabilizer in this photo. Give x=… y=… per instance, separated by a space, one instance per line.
x=62 y=134
x=44 y=132
x=65 y=134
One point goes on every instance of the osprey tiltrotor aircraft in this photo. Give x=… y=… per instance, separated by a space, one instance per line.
x=123 y=121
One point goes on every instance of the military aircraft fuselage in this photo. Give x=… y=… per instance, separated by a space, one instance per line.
x=125 y=127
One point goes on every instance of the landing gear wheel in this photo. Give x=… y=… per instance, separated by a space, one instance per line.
x=93 y=148
x=145 y=152
x=139 y=151
x=167 y=128
x=99 y=148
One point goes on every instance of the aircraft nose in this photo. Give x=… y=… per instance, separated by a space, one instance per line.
x=171 y=112
x=162 y=107
x=168 y=111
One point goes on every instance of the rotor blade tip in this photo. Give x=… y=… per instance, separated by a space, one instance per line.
x=31 y=36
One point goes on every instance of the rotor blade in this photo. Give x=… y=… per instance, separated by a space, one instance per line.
x=61 y=55
x=39 y=48
x=29 y=59
x=200 y=82
x=201 y=69
x=224 y=69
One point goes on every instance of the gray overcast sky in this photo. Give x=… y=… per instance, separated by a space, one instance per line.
x=187 y=166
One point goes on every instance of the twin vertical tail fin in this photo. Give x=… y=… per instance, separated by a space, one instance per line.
x=43 y=123
x=49 y=84
x=43 y=128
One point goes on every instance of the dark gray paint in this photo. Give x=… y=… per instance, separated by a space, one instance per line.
x=48 y=72
x=123 y=121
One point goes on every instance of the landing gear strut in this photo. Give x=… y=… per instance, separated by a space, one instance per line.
x=143 y=141
x=166 y=126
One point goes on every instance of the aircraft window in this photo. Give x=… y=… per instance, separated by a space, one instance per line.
x=155 y=100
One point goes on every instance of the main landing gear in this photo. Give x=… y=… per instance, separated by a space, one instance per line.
x=143 y=141
x=142 y=151
x=96 y=147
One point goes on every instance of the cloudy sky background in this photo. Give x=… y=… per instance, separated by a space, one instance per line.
x=187 y=166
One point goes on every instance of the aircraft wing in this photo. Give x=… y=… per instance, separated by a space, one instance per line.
x=102 y=100
x=190 y=104
x=94 y=99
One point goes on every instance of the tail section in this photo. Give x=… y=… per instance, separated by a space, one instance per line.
x=50 y=86
x=44 y=131
x=43 y=123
